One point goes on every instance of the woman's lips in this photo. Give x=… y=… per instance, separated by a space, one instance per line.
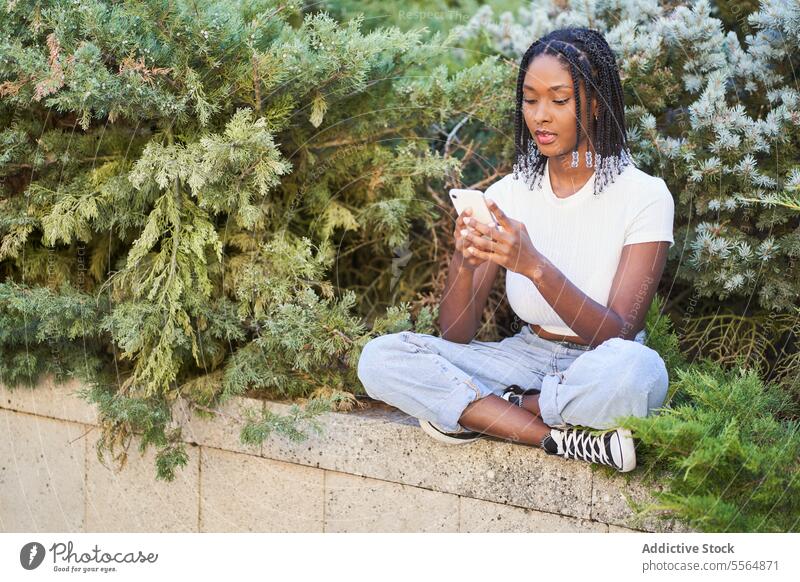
x=545 y=138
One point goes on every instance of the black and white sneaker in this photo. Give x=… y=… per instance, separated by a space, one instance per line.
x=449 y=438
x=515 y=393
x=614 y=448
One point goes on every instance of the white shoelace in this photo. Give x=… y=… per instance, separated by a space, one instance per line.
x=582 y=445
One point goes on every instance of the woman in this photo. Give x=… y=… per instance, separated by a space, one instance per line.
x=583 y=235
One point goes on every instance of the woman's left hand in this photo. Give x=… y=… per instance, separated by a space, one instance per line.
x=510 y=247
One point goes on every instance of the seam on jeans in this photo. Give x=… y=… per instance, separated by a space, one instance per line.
x=472 y=385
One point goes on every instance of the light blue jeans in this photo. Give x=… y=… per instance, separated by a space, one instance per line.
x=435 y=379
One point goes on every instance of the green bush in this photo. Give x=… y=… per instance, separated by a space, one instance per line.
x=207 y=200
x=725 y=447
x=184 y=184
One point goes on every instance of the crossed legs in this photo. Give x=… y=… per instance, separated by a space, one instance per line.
x=497 y=417
x=458 y=385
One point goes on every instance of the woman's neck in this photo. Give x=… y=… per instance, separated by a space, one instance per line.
x=566 y=180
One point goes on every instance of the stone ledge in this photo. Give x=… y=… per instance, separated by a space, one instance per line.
x=385 y=444
x=382 y=443
x=49 y=399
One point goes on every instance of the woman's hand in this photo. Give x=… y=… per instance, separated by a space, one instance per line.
x=470 y=262
x=510 y=247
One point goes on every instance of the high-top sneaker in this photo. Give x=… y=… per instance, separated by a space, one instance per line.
x=514 y=394
x=614 y=448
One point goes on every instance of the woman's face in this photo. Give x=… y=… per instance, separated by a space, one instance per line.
x=548 y=104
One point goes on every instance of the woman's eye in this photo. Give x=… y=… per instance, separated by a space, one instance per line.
x=562 y=102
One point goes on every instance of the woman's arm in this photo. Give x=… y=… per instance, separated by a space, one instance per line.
x=465 y=294
x=635 y=282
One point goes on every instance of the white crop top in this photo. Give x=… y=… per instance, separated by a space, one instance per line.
x=582 y=234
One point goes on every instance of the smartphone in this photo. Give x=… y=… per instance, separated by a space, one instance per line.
x=463 y=199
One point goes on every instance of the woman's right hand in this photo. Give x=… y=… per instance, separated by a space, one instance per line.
x=469 y=261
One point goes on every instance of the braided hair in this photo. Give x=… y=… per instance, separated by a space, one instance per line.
x=591 y=61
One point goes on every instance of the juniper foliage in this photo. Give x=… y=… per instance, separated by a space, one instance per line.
x=179 y=181
x=723 y=454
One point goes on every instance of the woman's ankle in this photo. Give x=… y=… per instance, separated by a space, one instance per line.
x=531 y=404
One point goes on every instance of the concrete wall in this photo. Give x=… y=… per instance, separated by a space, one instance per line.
x=368 y=471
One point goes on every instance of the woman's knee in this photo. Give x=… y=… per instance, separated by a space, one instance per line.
x=643 y=373
x=372 y=361
x=617 y=379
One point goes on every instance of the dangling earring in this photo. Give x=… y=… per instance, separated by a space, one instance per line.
x=574 y=163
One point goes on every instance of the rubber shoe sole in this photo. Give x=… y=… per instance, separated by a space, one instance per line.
x=449 y=438
x=623 y=450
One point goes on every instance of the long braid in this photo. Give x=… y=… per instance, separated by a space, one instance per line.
x=576 y=89
x=591 y=61
x=525 y=149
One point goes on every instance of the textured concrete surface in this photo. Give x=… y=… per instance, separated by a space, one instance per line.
x=49 y=399
x=486 y=516
x=221 y=431
x=399 y=451
x=132 y=500
x=360 y=504
x=618 y=529
x=369 y=470
x=610 y=504
x=41 y=474
x=244 y=493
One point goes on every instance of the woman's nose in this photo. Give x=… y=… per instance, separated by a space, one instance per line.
x=540 y=114
x=538 y=109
